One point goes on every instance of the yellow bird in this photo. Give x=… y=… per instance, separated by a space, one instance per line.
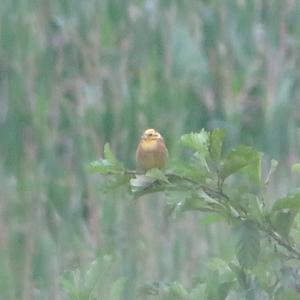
x=151 y=151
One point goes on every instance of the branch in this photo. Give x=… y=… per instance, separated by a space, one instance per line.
x=280 y=241
x=225 y=201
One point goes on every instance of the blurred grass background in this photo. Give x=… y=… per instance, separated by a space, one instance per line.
x=77 y=74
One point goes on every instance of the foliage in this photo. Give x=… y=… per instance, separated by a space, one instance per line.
x=261 y=234
x=75 y=75
x=89 y=284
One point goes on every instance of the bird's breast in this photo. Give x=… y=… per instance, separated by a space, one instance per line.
x=149 y=145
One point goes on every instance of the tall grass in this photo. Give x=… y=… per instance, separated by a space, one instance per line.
x=77 y=74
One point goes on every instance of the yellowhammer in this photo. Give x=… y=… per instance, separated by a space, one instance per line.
x=151 y=151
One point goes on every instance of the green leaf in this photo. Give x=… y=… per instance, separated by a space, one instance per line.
x=115 y=182
x=247 y=243
x=105 y=167
x=108 y=165
x=240 y=274
x=194 y=203
x=254 y=170
x=296 y=168
x=196 y=141
x=238 y=159
x=255 y=207
x=217 y=288
x=97 y=271
x=177 y=291
x=221 y=278
x=199 y=292
x=216 y=140
x=283 y=221
x=157 y=174
x=189 y=170
x=291 y=201
x=224 y=288
x=69 y=287
x=109 y=156
x=217 y=264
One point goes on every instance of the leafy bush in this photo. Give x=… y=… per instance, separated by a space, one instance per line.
x=232 y=186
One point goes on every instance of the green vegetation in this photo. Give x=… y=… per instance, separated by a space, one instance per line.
x=263 y=261
x=75 y=75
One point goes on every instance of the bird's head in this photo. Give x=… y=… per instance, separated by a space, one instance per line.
x=151 y=135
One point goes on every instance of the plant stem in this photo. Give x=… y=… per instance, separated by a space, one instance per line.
x=219 y=195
